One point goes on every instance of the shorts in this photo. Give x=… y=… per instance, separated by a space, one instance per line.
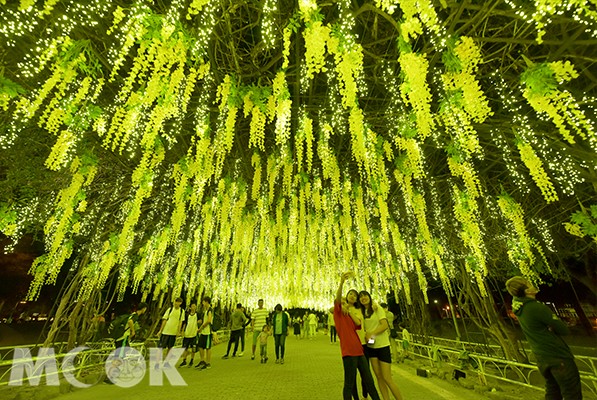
x=384 y=354
x=255 y=337
x=189 y=342
x=204 y=342
x=167 y=341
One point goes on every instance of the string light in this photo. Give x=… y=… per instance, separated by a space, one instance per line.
x=190 y=217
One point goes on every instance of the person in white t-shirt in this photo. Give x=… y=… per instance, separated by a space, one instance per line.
x=171 y=327
x=378 y=345
x=258 y=319
x=189 y=340
x=332 y=326
x=312 y=326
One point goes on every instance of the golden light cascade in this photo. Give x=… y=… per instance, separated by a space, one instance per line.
x=61 y=226
x=520 y=251
x=415 y=91
x=541 y=83
x=350 y=152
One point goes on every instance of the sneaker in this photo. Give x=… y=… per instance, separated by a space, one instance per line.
x=225 y=357
x=253 y=357
x=191 y=364
x=184 y=362
x=207 y=366
x=281 y=361
x=201 y=364
x=234 y=356
x=277 y=361
x=241 y=354
x=265 y=360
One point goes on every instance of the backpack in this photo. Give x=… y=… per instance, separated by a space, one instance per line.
x=118 y=326
x=216 y=321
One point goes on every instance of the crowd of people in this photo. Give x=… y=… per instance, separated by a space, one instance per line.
x=366 y=334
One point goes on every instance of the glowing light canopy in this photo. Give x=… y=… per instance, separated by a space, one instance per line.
x=259 y=149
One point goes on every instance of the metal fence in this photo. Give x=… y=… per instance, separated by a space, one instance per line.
x=90 y=361
x=489 y=361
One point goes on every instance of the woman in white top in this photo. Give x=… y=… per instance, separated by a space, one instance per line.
x=378 y=345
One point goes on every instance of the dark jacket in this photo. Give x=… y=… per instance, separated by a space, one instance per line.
x=542 y=328
x=285 y=321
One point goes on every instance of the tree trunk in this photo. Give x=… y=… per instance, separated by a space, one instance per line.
x=483 y=313
x=78 y=315
x=74 y=320
x=418 y=319
x=64 y=308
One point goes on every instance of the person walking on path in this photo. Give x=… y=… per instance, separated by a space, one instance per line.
x=312 y=326
x=238 y=319
x=348 y=319
x=123 y=340
x=304 y=325
x=258 y=319
x=544 y=330
x=378 y=346
x=191 y=332
x=406 y=340
x=131 y=324
x=243 y=332
x=204 y=342
x=171 y=327
x=332 y=326
x=296 y=326
x=393 y=333
x=263 y=335
x=280 y=322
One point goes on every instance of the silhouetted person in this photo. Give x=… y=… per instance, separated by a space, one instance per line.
x=543 y=330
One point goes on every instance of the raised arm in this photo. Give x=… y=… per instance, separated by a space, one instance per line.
x=343 y=279
x=357 y=315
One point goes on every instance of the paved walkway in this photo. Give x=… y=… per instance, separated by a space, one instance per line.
x=313 y=370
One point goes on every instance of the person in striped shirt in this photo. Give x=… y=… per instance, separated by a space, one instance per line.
x=258 y=319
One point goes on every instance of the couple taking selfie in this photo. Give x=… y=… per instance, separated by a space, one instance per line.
x=364 y=334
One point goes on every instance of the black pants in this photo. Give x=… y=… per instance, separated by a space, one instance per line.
x=355 y=390
x=562 y=380
x=333 y=333
x=351 y=365
x=234 y=338
x=280 y=345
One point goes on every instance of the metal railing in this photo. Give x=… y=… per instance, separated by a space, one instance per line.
x=7 y=352
x=89 y=361
x=462 y=355
x=84 y=361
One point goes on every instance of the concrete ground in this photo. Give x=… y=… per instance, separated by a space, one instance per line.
x=312 y=370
